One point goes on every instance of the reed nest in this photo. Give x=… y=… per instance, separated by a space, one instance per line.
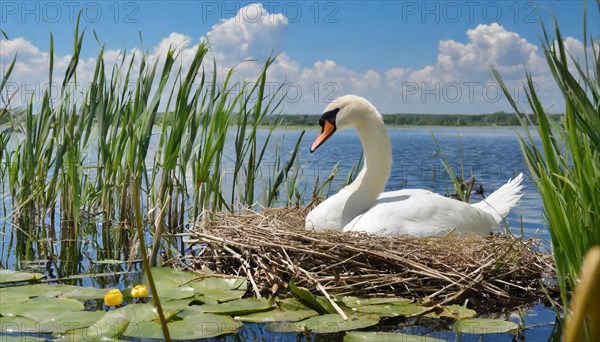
x=271 y=247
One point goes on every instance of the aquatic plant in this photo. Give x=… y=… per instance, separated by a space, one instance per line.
x=72 y=164
x=566 y=167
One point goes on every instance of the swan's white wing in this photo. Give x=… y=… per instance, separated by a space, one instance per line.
x=420 y=213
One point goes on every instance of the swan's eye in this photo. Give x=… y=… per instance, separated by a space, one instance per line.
x=329 y=116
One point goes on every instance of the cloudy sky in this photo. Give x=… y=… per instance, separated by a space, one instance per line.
x=405 y=56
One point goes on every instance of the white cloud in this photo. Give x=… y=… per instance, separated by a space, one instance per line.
x=252 y=33
x=460 y=81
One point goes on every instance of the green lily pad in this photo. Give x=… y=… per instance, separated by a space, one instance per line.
x=174 y=284
x=43 y=290
x=324 y=324
x=174 y=305
x=167 y=278
x=201 y=325
x=61 y=322
x=216 y=290
x=17 y=324
x=277 y=316
x=136 y=313
x=391 y=310
x=453 y=311
x=8 y=276
x=291 y=303
x=84 y=293
x=234 y=307
x=376 y=336
x=36 y=290
x=19 y=338
x=355 y=302
x=484 y=326
x=110 y=326
x=43 y=309
x=181 y=292
x=72 y=320
x=83 y=335
x=7 y=300
x=310 y=300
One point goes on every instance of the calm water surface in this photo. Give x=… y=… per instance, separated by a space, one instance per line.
x=491 y=154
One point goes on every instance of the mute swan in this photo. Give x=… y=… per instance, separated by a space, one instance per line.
x=361 y=206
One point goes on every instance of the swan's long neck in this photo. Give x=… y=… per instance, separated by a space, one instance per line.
x=371 y=180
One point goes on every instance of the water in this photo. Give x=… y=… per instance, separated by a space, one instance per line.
x=491 y=154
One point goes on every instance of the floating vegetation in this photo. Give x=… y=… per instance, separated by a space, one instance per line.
x=64 y=311
x=272 y=247
x=362 y=336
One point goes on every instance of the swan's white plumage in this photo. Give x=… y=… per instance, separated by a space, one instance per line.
x=361 y=206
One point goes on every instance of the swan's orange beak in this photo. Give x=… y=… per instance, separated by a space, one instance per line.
x=326 y=131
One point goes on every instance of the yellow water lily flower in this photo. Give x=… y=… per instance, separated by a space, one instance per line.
x=139 y=291
x=114 y=297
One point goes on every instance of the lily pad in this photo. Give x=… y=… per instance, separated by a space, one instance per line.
x=277 y=316
x=234 y=307
x=43 y=309
x=391 y=310
x=19 y=338
x=174 y=284
x=7 y=300
x=181 y=292
x=84 y=293
x=110 y=326
x=355 y=302
x=17 y=324
x=136 y=313
x=65 y=321
x=36 y=290
x=291 y=303
x=71 y=320
x=310 y=300
x=61 y=290
x=216 y=289
x=201 y=325
x=453 y=311
x=174 y=305
x=83 y=335
x=167 y=278
x=324 y=324
x=9 y=276
x=485 y=326
x=376 y=336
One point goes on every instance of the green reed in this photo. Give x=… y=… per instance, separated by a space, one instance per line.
x=83 y=158
x=566 y=168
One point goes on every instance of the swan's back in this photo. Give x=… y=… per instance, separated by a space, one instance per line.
x=421 y=213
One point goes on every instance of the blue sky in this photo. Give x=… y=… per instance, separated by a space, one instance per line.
x=365 y=47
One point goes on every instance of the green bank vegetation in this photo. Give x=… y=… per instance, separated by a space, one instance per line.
x=566 y=165
x=494 y=119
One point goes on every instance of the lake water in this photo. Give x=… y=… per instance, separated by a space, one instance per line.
x=491 y=154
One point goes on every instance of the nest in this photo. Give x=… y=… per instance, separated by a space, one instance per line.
x=272 y=247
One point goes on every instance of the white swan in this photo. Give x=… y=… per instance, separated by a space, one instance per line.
x=361 y=206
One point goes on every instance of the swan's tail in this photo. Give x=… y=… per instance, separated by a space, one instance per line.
x=501 y=201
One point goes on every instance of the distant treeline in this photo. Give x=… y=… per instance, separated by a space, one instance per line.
x=495 y=119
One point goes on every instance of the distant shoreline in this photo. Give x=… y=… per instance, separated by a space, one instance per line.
x=308 y=127
x=500 y=119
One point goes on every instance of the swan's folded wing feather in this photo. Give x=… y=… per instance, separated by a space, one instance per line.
x=420 y=213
